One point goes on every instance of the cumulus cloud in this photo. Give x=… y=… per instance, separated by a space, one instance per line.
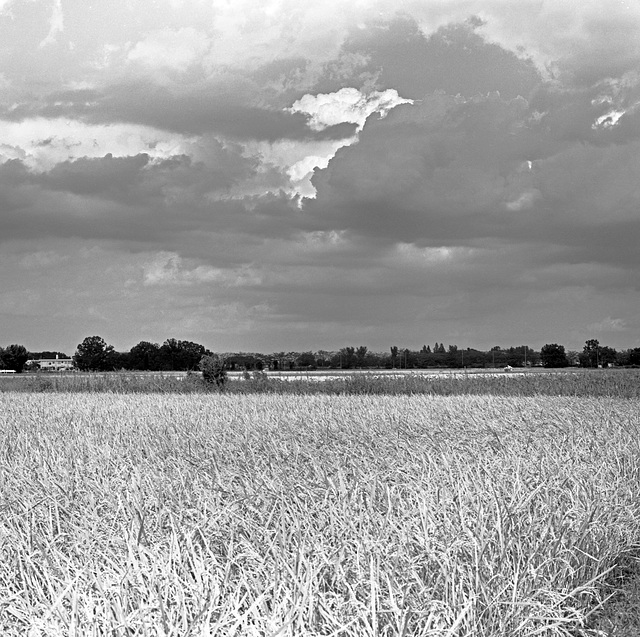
x=346 y=105
x=455 y=169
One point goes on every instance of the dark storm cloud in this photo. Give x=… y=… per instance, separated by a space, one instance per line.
x=143 y=204
x=447 y=171
x=138 y=179
x=106 y=177
x=454 y=59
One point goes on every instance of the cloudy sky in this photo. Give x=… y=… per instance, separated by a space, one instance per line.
x=262 y=175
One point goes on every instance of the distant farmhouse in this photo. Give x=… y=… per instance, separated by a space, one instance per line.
x=51 y=364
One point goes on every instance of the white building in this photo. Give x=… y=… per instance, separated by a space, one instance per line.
x=52 y=364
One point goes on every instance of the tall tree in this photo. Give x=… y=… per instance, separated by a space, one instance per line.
x=181 y=355
x=14 y=357
x=145 y=356
x=93 y=354
x=553 y=355
x=590 y=356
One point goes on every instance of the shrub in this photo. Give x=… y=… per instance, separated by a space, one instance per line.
x=214 y=370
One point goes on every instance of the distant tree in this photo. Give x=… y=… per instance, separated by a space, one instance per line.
x=394 y=355
x=93 y=354
x=517 y=356
x=145 y=356
x=181 y=355
x=291 y=358
x=573 y=357
x=631 y=356
x=347 y=355
x=477 y=358
x=214 y=370
x=590 y=355
x=553 y=355
x=170 y=354
x=306 y=359
x=607 y=355
x=454 y=358
x=277 y=360
x=361 y=355
x=14 y=357
x=47 y=354
x=322 y=357
x=118 y=360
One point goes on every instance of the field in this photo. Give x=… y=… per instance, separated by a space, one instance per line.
x=620 y=383
x=129 y=514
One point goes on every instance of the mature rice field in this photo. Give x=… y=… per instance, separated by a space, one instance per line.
x=263 y=514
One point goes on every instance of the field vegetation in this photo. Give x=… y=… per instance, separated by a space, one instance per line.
x=621 y=383
x=298 y=515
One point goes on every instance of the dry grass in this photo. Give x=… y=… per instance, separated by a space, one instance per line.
x=188 y=515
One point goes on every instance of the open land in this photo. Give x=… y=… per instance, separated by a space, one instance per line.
x=288 y=514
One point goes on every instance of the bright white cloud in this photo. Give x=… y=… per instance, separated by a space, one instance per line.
x=42 y=143
x=56 y=24
x=608 y=120
x=346 y=105
x=329 y=109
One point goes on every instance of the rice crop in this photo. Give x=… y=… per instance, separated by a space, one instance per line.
x=308 y=515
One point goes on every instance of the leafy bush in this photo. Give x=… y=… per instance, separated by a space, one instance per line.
x=214 y=370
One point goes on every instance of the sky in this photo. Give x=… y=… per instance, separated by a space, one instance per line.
x=267 y=175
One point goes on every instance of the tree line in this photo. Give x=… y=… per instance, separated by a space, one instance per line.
x=95 y=354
